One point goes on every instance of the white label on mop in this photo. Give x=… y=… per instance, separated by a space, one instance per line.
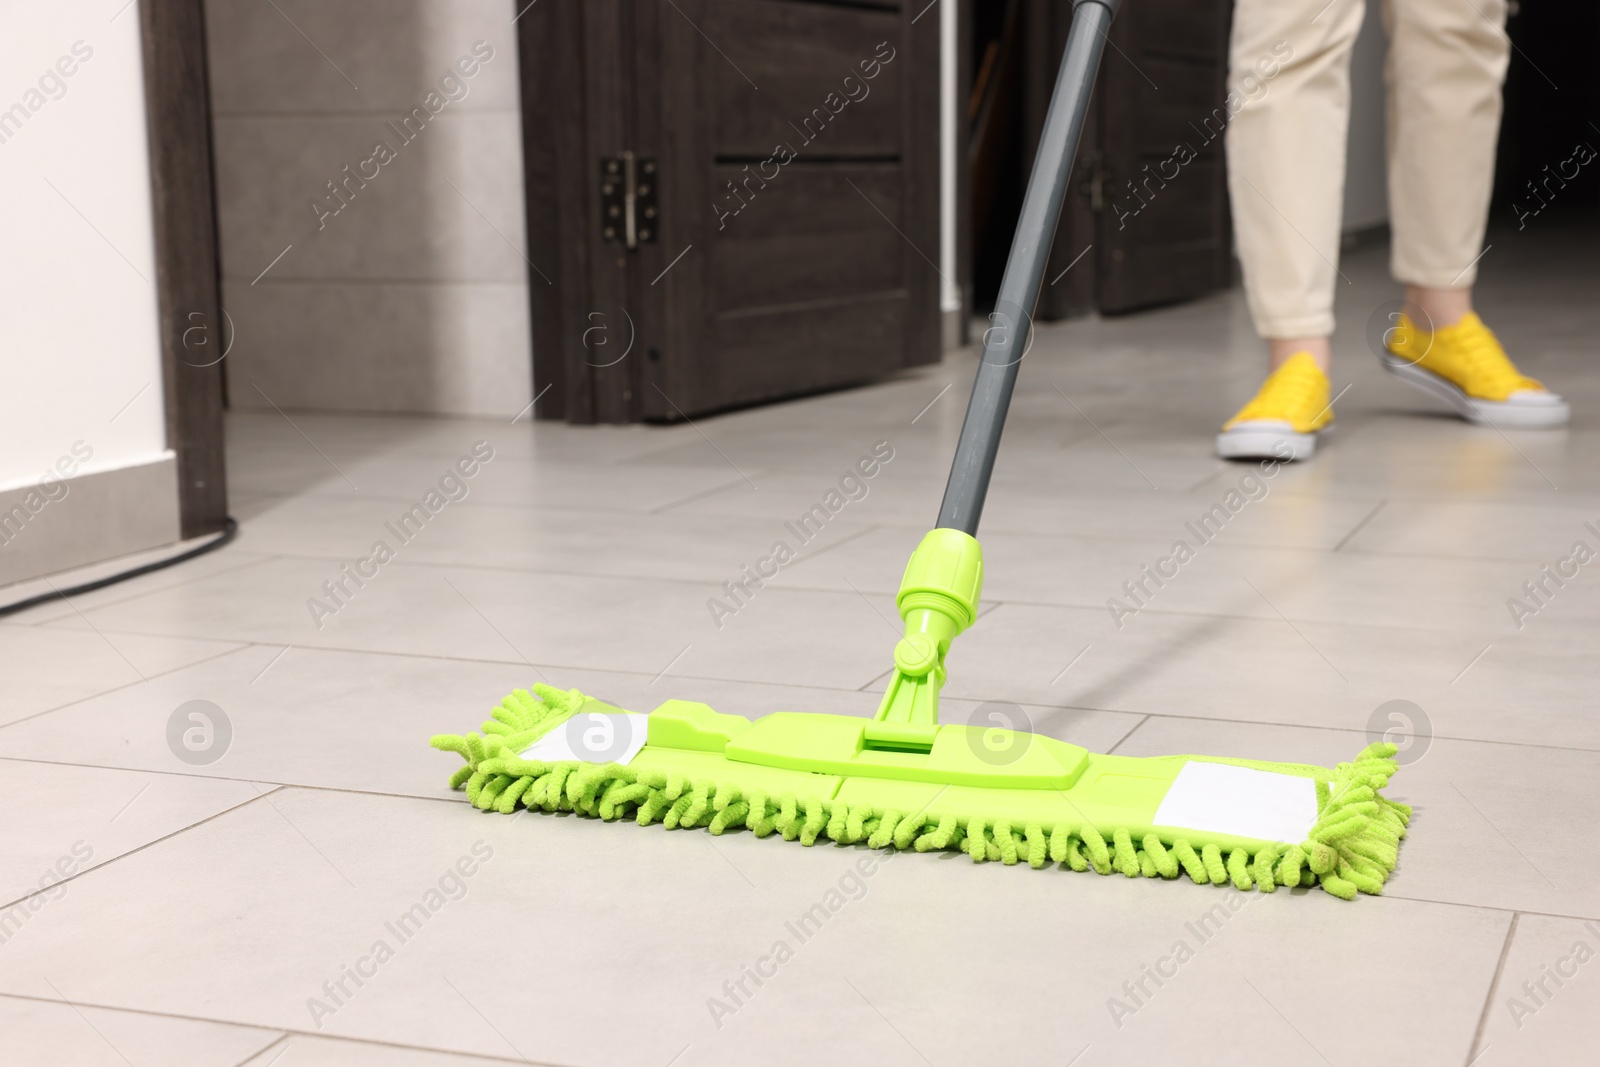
x=594 y=737
x=1240 y=802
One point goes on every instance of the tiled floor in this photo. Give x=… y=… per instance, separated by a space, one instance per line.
x=207 y=909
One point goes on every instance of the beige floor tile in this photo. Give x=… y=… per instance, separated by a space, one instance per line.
x=343 y=437
x=783 y=635
x=1546 y=995
x=222 y=559
x=69 y=819
x=368 y=723
x=216 y=903
x=686 y=546
x=893 y=498
x=1542 y=533
x=46 y=667
x=1081 y=572
x=506 y=479
x=67 y=1035
x=1534 y=688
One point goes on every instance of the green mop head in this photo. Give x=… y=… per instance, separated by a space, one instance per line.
x=1105 y=820
x=902 y=780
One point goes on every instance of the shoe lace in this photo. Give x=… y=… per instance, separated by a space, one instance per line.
x=1292 y=387
x=1479 y=353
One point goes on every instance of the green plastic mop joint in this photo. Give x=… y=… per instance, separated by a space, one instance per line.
x=938 y=599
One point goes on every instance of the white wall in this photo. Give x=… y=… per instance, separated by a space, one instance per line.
x=78 y=329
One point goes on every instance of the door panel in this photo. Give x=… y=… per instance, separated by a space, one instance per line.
x=797 y=53
x=821 y=241
x=753 y=348
x=807 y=218
x=1158 y=94
x=769 y=271
x=1158 y=231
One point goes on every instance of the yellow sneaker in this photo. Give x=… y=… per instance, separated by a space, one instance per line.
x=1464 y=366
x=1283 y=420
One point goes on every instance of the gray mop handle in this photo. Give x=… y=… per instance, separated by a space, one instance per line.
x=1004 y=342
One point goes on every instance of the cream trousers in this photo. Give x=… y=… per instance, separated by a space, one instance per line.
x=1289 y=81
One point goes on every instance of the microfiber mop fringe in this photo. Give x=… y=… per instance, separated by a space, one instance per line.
x=1352 y=848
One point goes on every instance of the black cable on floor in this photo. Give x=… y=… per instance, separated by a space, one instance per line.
x=215 y=543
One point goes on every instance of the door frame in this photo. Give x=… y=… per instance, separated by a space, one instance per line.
x=183 y=200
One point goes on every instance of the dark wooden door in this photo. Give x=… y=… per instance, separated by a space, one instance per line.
x=1148 y=221
x=786 y=153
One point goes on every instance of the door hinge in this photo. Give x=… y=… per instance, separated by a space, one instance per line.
x=1096 y=176
x=628 y=200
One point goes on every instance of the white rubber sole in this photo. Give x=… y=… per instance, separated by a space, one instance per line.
x=1524 y=411
x=1268 y=439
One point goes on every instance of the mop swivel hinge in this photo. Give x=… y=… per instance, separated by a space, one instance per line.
x=938 y=599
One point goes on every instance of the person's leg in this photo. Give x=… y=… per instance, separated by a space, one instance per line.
x=1447 y=61
x=1287 y=113
x=1280 y=349
x=1440 y=307
x=1289 y=76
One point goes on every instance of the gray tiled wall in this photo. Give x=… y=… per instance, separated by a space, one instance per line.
x=413 y=296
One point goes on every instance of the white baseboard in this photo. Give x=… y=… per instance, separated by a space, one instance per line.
x=95 y=516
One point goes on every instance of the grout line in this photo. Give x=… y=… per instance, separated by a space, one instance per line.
x=451 y=564
x=1494 y=984
x=908 y=523
x=135 y=851
x=803 y=557
x=671 y=505
x=1222 y=615
x=1491 y=907
x=287 y=1032
x=453 y=798
x=499 y=662
x=265 y=558
x=475 y=503
x=1360 y=525
x=1328 y=729
x=873 y=683
x=1210 y=477
x=1127 y=735
x=262 y=1051
x=817 y=590
x=276 y=785
x=1435 y=556
x=239 y=646
x=686 y=678
x=141 y=770
x=989 y=608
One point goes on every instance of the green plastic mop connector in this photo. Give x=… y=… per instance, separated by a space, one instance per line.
x=938 y=599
